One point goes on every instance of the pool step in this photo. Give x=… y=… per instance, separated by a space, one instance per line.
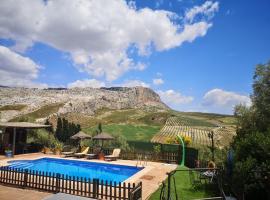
x=22 y=165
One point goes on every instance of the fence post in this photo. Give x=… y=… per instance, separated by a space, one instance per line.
x=25 y=178
x=57 y=186
x=95 y=188
x=179 y=152
x=169 y=186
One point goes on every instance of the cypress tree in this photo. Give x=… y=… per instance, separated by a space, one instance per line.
x=78 y=128
x=65 y=135
x=49 y=129
x=59 y=129
x=99 y=127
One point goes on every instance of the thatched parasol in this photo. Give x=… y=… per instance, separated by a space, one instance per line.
x=103 y=136
x=80 y=135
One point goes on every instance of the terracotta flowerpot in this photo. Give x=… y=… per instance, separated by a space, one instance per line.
x=57 y=152
x=46 y=150
x=101 y=156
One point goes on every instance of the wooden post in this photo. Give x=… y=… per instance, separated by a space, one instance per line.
x=95 y=188
x=57 y=186
x=14 y=141
x=25 y=178
x=169 y=186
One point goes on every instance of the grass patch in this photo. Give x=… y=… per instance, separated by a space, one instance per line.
x=120 y=116
x=184 y=188
x=129 y=131
x=13 y=107
x=188 y=121
x=44 y=111
x=156 y=118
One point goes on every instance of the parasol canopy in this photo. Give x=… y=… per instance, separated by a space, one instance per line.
x=80 y=135
x=103 y=136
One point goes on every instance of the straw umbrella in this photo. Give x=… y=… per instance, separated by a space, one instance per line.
x=103 y=137
x=80 y=136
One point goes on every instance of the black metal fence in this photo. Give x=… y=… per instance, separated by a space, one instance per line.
x=168 y=154
x=55 y=182
x=167 y=157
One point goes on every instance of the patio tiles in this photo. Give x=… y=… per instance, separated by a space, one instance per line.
x=10 y=193
x=157 y=171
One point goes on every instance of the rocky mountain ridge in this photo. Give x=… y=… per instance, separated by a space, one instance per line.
x=78 y=100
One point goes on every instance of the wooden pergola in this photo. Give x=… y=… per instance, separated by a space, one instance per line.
x=16 y=125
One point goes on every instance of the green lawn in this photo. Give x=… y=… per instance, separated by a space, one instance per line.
x=13 y=107
x=40 y=113
x=184 y=189
x=129 y=131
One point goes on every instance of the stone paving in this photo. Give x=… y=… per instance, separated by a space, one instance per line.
x=10 y=193
x=151 y=176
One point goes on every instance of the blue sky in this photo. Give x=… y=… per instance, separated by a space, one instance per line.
x=198 y=55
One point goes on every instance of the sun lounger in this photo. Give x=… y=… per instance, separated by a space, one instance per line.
x=114 y=155
x=68 y=153
x=82 y=154
x=95 y=153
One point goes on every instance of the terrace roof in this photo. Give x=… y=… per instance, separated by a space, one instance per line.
x=22 y=125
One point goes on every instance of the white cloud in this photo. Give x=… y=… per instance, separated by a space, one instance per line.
x=159 y=3
x=159 y=74
x=224 y=99
x=134 y=83
x=174 y=98
x=208 y=9
x=158 y=81
x=97 y=34
x=16 y=70
x=86 y=83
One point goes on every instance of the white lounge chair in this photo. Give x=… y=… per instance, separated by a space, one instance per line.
x=114 y=155
x=68 y=153
x=82 y=154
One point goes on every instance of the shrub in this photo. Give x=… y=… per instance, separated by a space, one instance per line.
x=187 y=140
x=157 y=148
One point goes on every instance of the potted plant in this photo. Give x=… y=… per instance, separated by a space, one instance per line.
x=8 y=151
x=58 y=147
x=46 y=150
x=157 y=151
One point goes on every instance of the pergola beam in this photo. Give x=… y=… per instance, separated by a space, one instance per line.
x=14 y=141
x=18 y=125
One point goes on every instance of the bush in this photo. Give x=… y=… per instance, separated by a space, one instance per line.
x=175 y=140
x=251 y=146
x=43 y=137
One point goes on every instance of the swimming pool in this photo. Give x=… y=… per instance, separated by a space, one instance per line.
x=102 y=171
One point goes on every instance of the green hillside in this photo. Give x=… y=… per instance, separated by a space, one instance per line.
x=18 y=107
x=133 y=124
x=40 y=113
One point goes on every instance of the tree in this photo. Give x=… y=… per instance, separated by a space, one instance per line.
x=99 y=128
x=65 y=130
x=59 y=129
x=49 y=129
x=251 y=145
x=261 y=96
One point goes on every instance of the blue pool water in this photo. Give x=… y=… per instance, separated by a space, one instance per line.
x=76 y=168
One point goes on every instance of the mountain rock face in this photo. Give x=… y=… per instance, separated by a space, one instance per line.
x=79 y=100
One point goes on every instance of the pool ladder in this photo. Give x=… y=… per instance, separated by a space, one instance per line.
x=141 y=160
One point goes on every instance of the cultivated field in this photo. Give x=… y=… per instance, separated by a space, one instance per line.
x=198 y=134
x=140 y=124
